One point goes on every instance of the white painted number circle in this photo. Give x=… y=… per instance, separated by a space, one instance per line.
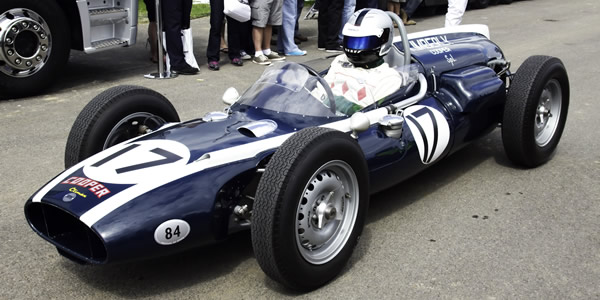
x=171 y=232
x=137 y=162
x=430 y=131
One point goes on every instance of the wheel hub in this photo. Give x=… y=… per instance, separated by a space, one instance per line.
x=131 y=126
x=25 y=42
x=547 y=113
x=327 y=212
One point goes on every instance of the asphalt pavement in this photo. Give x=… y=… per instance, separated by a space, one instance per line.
x=473 y=226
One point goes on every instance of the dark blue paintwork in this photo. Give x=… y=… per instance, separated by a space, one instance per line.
x=468 y=94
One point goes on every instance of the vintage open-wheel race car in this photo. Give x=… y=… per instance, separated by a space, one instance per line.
x=284 y=160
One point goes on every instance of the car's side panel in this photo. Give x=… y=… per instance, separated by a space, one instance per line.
x=427 y=137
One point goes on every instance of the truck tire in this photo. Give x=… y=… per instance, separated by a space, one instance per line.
x=35 y=46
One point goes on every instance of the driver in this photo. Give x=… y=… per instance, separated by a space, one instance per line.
x=360 y=75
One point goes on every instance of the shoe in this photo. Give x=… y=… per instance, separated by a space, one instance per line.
x=336 y=49
x=410 y=22
x=403 y=16
x=297 y=41
x=244 y=55
x=224 y=50
x=321 y=48
x=261 y=60
x=296 y=53
x=213 y=65
x=184 y=70
x=301 y=38
x=237 y=62
x=275 y=57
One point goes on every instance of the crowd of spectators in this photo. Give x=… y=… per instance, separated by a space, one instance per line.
x=252 y=40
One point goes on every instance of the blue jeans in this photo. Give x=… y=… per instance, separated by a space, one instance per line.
x=349 y=6
x=285 y=35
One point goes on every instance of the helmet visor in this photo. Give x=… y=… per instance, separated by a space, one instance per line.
x=362 y=42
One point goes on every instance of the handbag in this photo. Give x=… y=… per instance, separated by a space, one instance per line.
x=237 y=9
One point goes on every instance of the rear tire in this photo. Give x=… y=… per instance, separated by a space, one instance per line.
x=310 y=208
x=116 y=115
x=536 y=111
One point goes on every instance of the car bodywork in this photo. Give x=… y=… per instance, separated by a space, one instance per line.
x=192 y=183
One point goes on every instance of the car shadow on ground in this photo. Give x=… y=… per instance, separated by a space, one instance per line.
x=161 y=275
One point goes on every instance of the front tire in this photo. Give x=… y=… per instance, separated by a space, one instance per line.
x=310 y=208
x=536 y=111
x=35 y=45
x=116 y=115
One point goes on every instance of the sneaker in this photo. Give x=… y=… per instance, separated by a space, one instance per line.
x=184 y=70
x=237 y=62
x=261 y=60
x=213 y=65
x=296 y=53
x=321 y=48
x=336 y=49
x=244 y=55
x=274 y=56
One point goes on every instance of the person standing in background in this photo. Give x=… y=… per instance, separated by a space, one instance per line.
x=152 y=32
x=329 y=24
x=349 y=8
x=176 y=17
x=265 y=15
x=214 y=37
x=285 y=37
x=456 y=10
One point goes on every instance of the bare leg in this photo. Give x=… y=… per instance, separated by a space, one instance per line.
x=223 y=43
x=257 y=38
x=153 y=41
x=268 y=32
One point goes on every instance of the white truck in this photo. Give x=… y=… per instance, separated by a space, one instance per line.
x=36 y=37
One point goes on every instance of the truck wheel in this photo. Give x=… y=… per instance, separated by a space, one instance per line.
x=34 y=45
x=116 y=115
x=310 y=208
x=536 y=111
x=480 y=4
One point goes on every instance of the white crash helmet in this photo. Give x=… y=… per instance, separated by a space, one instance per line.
x=368 y=36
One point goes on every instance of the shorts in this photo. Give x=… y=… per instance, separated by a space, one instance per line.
x=151 y=9
x=266 y=12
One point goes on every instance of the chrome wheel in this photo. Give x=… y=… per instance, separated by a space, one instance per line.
x=327 y=212
x=25 y=42
x=132 y=126
x=548 y=113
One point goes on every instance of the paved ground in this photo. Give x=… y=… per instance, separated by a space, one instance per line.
x=471 y=227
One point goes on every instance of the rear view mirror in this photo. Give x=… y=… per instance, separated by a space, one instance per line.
x=230 y=96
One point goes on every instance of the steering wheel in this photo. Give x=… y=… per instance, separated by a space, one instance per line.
x=325 y=85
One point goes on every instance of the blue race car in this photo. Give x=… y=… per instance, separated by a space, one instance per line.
x=288 y=160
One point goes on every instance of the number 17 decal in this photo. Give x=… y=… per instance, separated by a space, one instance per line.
x=430 y=131
x=141 y=161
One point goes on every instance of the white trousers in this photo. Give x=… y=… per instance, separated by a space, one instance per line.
x=456 y=9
